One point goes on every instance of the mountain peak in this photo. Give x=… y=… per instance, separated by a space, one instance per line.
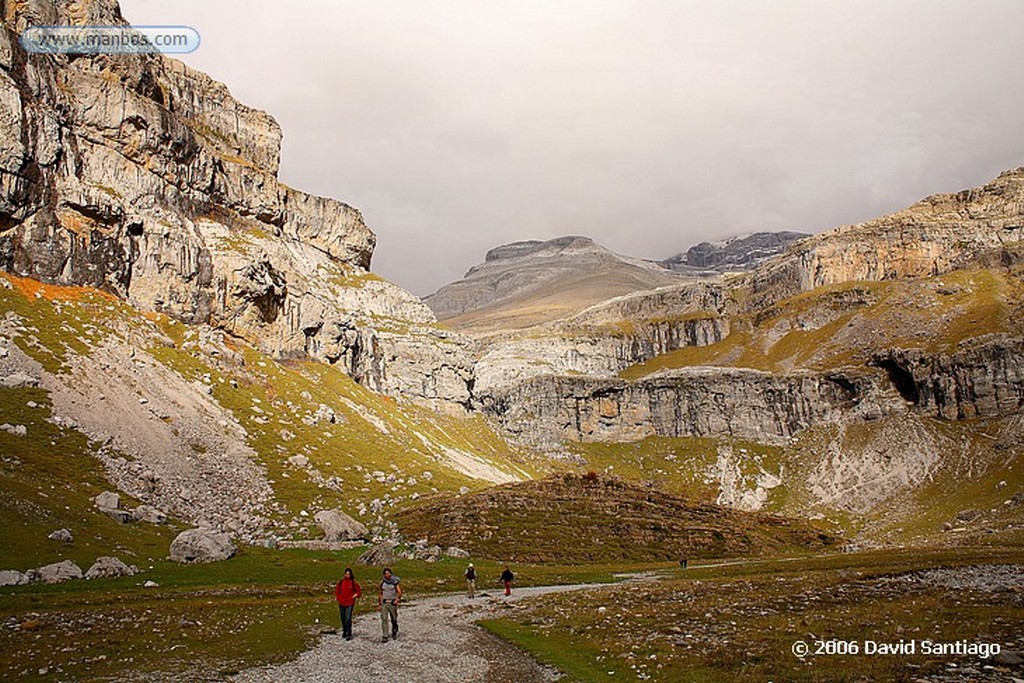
x=550 y=247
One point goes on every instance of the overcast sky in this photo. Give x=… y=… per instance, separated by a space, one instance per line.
x=456 y=126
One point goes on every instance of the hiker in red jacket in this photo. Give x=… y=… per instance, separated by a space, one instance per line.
x=347 y=591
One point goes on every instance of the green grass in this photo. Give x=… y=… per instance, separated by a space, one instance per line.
x=259 y=607
x=733 y=622
x=681 y=465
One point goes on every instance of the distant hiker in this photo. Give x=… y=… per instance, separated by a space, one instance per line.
x=470 y=580
x=347 y=591
x=387 y=602
x=507 y=577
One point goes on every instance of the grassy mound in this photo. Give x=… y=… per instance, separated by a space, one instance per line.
x=588 y=518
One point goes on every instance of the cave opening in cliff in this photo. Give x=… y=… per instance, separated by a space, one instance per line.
x=901 y=379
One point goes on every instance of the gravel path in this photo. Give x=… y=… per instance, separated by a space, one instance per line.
x=437 y=642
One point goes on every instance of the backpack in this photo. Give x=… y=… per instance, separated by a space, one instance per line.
x=471 y=574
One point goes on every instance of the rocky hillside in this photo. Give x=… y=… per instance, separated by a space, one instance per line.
x=178 y=326
x=141 y=177
x=526 y=283
x=201 y=429
x=587 y=518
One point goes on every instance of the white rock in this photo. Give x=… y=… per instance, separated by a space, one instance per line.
x=298 y=460
x=149 y=514
x=56 y=572
x=17 y=430
x=108 y=500
x=11 y=577
x=19 y=380
x=201 y=545
x=63 y=535
x=109 y=567
x=338 y=526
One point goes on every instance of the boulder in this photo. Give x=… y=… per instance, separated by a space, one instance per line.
x=17 y=430
x=455 y=551
x=11 y=577
x=381 y=554
x=338 y=526
x=148 y=513
x=19 y=380
x=108 y=500
x=109 y=567
x=62 y=535
x=298 y=460
x=201 y=545
x=56 y=572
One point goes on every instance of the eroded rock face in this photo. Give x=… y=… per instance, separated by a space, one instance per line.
x=603 y=340
x=981 y=380
x=936 y=235
x=140 y=176
x=546 y=411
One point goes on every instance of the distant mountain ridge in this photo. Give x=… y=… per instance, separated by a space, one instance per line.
x=529 y=282
x=742 y=252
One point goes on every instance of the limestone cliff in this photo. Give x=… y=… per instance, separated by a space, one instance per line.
x=142 y=177
x=688 y=402
x=936 y=235
x=920 y=309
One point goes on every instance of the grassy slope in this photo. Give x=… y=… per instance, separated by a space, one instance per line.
x=842 y=325
x=372 y=433
x=259 y=606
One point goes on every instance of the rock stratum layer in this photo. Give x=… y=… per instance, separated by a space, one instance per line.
x=142 y=177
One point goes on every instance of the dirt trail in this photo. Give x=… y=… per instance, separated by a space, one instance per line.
x=437 y=642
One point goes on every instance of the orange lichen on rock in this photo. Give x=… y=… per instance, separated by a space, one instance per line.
x=31 y=289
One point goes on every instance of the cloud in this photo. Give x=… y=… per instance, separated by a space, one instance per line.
x=648 y=125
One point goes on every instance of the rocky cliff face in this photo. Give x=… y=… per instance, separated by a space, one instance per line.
x=745 y=252
x=604 y=339
x=934 y=236
x=819 y=309
x=142 y=177
x=691 y=402
x=985 y=379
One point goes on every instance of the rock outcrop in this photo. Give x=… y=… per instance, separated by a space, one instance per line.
x=142 y=177
x=12 y=577
x=109 y=568
x=58 y=572
x=983 y=379
x=604 y=339
x=936 y=235
x=744 y=252
x=338 y=526
x=546 y=411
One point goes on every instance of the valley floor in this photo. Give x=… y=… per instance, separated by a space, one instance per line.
x=438 y=641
